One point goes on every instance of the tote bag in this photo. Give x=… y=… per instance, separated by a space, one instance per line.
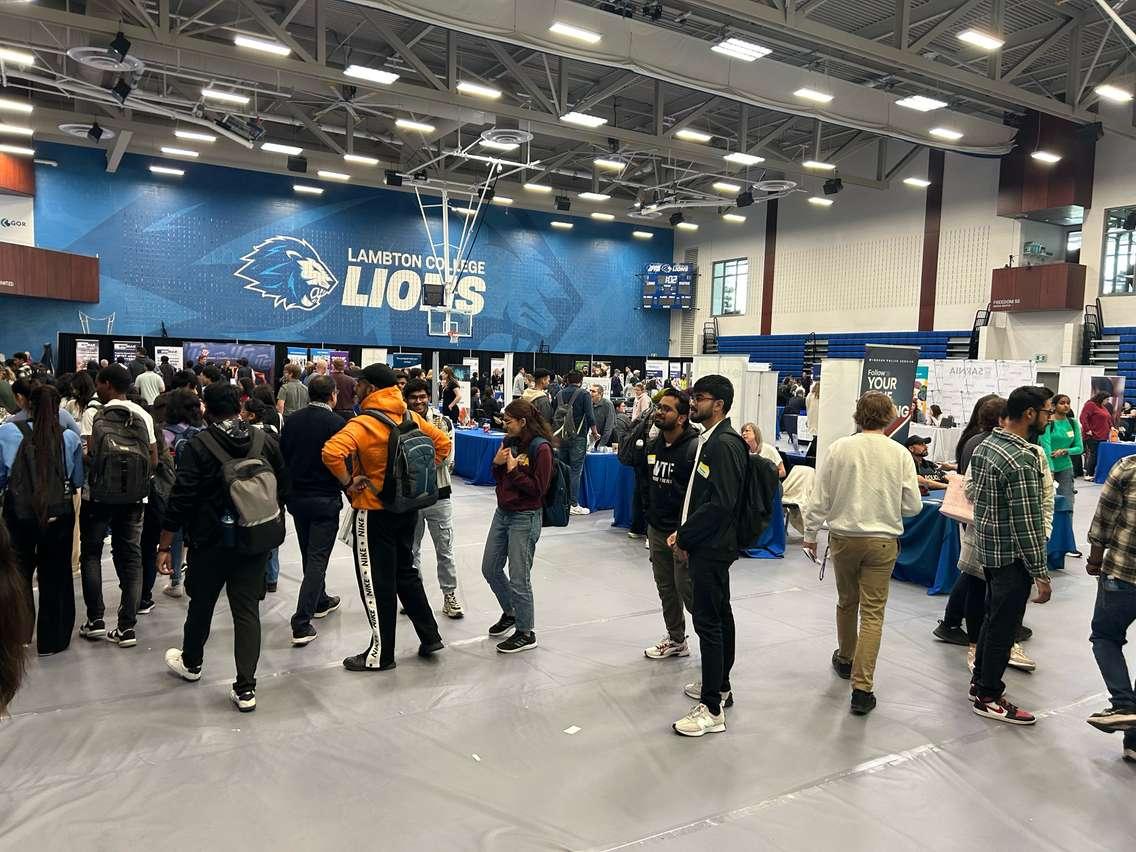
x=955 y=503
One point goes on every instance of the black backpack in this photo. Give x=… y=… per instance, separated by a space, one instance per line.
x=755 y=501
x=411 y=481
x=250 y=488
x=557 y=502
x=162 y=484
x=633 y=446
x=120 y=468
x=22 y=481
x=564 y=418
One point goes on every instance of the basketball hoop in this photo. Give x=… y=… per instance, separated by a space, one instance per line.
x=453 y=338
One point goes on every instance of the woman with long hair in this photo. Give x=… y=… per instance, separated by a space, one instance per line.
x=1061 y=440
x=15 y=622
x=41 y=466
x=1096 y=425
x=82 y=392
x=523 y=470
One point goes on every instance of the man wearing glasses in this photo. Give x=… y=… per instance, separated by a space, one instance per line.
x=1005 y=484
x=707 y=539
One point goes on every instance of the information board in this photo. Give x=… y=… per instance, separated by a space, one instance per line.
x=668 y=285
x=957 y=385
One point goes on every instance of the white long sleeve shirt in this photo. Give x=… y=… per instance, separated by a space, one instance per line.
x=866 y=488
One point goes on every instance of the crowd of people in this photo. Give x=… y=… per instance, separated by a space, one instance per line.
x=194 y=482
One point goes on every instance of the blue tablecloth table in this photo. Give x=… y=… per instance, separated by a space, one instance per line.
x=624 y=498
x=771 y=543
x=473 y=455
x=1108 y=454
x=929 y=549
x=600 y=482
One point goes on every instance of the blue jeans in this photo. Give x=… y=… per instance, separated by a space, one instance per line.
x=272 y=568
x=513 y=537
x=573 y=451
x=1114 y=613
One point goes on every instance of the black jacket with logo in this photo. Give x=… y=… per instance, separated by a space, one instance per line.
x=710 y=528
x=668 y=470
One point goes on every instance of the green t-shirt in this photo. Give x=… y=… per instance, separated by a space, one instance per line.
x=1061 y=435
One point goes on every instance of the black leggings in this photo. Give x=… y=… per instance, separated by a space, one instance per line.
x=967 y=601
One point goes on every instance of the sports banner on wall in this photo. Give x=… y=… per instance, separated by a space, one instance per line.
x=171 y=352
x=261 y=356
x=86 y=350
x=891 y=370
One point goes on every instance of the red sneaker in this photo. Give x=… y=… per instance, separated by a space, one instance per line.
x=1003 y=711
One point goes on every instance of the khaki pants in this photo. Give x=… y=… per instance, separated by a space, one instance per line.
x=672 y=579
x=863 y=569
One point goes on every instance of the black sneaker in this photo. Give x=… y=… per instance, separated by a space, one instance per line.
x=245 y=701
x=146 y=607
x=1024 y=634
x=1114 y=719
x=93 y=629
x=271 y=589
x=304 y=635
x=358 y=663
x=330 y=606
x=863 y=702
x=504 y=624
x=517 y=642
x=428 y=648
x=950 y=635
x=122 y=638
x=841 y=668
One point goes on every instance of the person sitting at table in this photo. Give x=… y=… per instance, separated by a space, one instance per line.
x=1127 y=422
x=865 y=489
x=935 y=418
x=752 y=436
x=491 y=411
x=931 y=476
x=604 y=413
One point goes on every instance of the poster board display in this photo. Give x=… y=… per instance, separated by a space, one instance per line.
x=297 y=355
x=174 y=353
x=373 y=355
x=656 y=370
x=405 y=360
x=126 y=349
x=956 y=385
x=675 y=370
x=85 y=350
x=891 y=370
x=328 y=354
x=261 y=356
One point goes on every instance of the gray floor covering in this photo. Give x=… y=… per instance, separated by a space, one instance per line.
x=106 y=751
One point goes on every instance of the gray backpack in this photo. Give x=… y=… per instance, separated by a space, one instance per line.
x=250 y=485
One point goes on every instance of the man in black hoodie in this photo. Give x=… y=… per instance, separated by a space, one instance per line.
x=707 y=536
x=667 y=465
x=196 y=505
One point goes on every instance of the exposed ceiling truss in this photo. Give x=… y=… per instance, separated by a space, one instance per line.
x=1055 y=54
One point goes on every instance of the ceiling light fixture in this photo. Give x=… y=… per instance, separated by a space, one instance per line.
x=277 y=148
x=945 y=133
x=499 y=146
x=593 y=196
x=917 y=182
x=642 y=235
x=538 y=187
x=502 y=199
x=609 y=164
x=464 y=211
x=371 y=75
x=687 y=226
x=1113 y=93
x=179 y=152
x=15 y=130
x=307 y=190
x=18 y=150
x=583 y=119
x=1047 y=157
x=409 y=124
x=166 y=170
x=17 y=57
x=478 y=90
x=264 y=46
x=981 y=40
x=820 y=202
x=743 y=159
x=733 y=217
x=727 y=187
x=326 y=175
x=920 y=103
x=603 y=217
x=819 y=166
x=578 y=33
x=9 y=105
x=360 y=159
x=224 y=97
x=194 y=136
x=814 y=95
x=740 y=49
x=563 y=226
x=688 y=135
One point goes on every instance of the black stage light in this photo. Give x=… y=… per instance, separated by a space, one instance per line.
x=298 y=164
x=489 y=193
x=833 y=186
x=563 y=203
x=676 y=218
x=121 y=90
x=421 y=177
x=120 y=47
x=654 y=10
x=433 y=295
x=94 y=132
x=744 y=199
x=392 y=177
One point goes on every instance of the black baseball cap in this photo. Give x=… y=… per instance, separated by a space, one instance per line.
x=380 y=376
x=915 y=440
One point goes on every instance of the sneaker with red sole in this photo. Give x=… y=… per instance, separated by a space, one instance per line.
x=1003 y=711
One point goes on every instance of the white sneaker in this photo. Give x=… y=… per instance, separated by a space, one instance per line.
x=1019 y=660
x=635 y=535
x=667 y=648
x=1090 y=479
x=970 y=652
x=646 y=545
x=580 y=510
x=1130 y=754
x=176 y=665
x=450 y=607
x=173 y=590
x=694 y=690
x=700 y=721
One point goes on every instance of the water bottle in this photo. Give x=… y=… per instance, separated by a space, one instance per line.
x=228 y=529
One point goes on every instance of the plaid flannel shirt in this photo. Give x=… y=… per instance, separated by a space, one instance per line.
x=1007 y=493
x=1114 y=526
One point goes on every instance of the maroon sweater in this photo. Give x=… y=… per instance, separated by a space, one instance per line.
x=522 y=490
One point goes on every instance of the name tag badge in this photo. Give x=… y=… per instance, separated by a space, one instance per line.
x=704 y=470
x=651 y=458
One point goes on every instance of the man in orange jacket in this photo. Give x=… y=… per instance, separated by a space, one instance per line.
x=384 y=541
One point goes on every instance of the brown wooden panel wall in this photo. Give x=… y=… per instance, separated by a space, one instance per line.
x=1049 y=287
x=1028 y=186
x=45 y=274
x=770 y=267
x=17 y=175
x=932 y=220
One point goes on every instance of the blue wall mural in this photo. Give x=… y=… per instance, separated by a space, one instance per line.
x=231 y=253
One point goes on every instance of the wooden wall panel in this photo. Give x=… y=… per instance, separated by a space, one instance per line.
x=41 y=273
x=769 y=268
x=932 y=220
x=1028 y=186
x=17 y=175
